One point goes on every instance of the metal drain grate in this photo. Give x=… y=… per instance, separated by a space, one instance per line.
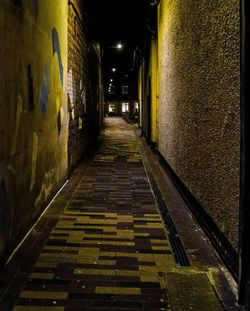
x=174 y=239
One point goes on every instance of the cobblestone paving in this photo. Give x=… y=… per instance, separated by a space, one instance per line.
x=109 y=249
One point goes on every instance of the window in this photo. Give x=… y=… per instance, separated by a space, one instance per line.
x=111 y=107
x=125 y=107
x=124 y=89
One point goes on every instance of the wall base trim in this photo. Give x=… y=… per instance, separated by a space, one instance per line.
x=223 y=247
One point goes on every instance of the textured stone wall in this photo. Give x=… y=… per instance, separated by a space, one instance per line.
x=148 y=93
x=33 y=111
x=199 y=98
x=83 y=85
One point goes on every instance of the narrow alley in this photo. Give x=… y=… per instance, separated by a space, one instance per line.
x=124 y=165
x=103 y=245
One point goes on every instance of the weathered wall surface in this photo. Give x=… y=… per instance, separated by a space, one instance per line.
x=148 y=92
x=199 y=130
x=84 y=93
x=140 y=94
x=154 y=90
x=33 y=111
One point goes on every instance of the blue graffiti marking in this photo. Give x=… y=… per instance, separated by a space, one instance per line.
x=56 y=49
x=45 y=90
x=3 y=206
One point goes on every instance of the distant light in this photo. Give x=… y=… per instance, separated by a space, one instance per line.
x=111 y=80
x=119 y=46
x=126 y=76
x=114 y=69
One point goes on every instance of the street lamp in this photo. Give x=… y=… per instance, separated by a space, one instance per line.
x=114 y=69
x=119 y=46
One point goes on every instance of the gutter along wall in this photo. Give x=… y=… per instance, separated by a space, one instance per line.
x=196 y=67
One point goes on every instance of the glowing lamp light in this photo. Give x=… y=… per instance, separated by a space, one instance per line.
x=119 y=46
x=114 y=69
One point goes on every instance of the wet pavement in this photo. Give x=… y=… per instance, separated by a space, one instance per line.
x=104 y=244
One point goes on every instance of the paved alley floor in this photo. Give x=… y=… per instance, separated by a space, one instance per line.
x=103 y=244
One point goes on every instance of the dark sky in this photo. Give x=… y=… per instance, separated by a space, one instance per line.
x=114 y=21
x=118 y=18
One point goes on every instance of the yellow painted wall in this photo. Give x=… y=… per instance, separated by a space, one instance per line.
x=33 y=134
x=154 y=90
x=140 y=94
x=148 y=82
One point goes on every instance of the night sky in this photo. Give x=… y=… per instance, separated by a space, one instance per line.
x=113 y=21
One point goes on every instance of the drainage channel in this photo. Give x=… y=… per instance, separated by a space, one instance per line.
x=174 y=239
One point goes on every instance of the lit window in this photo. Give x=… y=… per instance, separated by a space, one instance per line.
x=125 y=107
x=111 y=108
x=124 y=89
x=136 y=105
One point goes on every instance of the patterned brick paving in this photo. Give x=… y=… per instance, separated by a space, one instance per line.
x=109 y=249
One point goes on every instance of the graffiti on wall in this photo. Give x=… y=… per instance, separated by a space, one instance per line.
x=84 y=99
x=70 y=86
x=60 y=115
x=36 y=7
x=47 y=185
x=30 y=89
x=57 y=50
x=80 y=123
x=19 y=110
x=72 y=93
x=4 y=205
x=59 y=123
x=34 y=160
x=45 y=90
x=59 y=119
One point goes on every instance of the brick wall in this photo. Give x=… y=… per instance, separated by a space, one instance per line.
x=83 y=86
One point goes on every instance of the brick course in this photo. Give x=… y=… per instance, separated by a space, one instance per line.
x=83 y=86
